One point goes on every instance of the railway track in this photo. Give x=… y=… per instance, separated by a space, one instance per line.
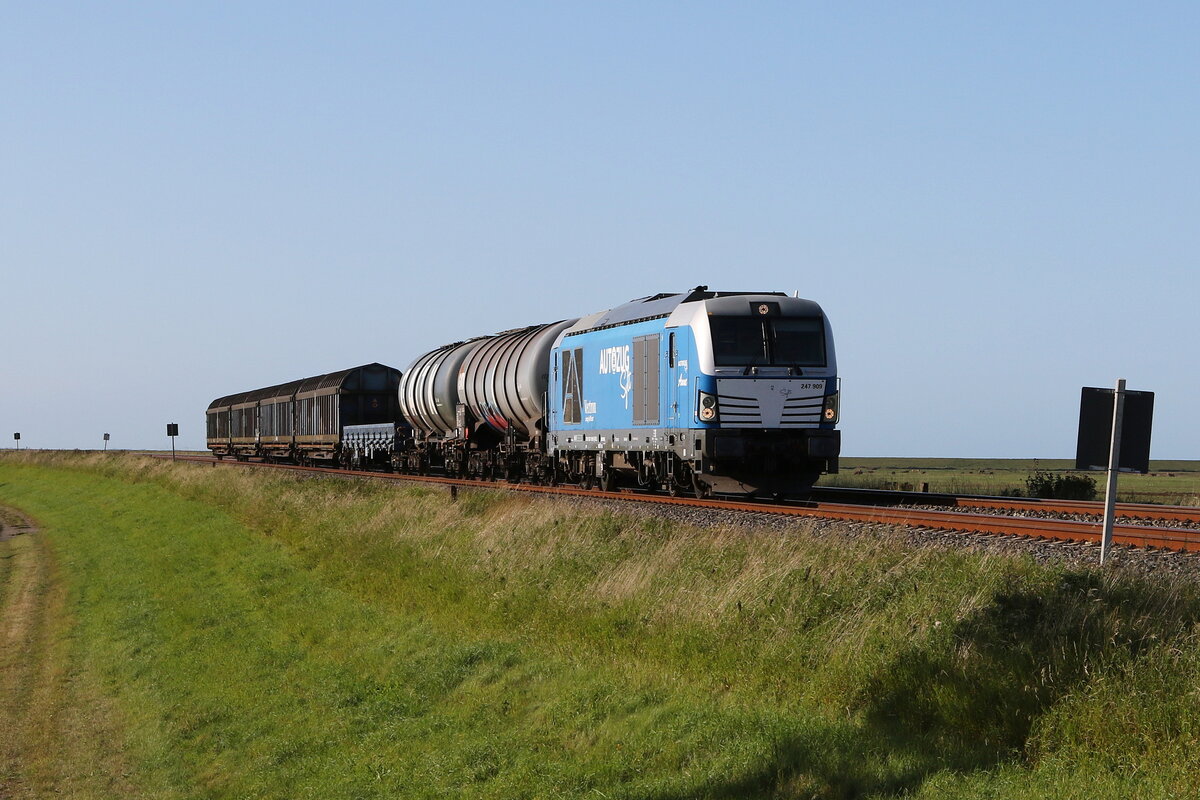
x=863 y=511
x=1148 y=511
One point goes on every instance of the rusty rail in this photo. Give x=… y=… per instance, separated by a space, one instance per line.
x=1088 y=507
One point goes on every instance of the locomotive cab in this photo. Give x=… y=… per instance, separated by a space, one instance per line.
x=766 y=393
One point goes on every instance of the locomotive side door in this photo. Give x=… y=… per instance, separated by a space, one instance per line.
x=671 y=357
x=677 y=386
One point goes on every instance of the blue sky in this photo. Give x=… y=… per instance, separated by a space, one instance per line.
x=996 y=204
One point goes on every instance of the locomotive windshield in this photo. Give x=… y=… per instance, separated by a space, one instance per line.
x=768 y=341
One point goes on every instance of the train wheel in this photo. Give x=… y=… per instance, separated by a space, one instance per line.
x=608 y=481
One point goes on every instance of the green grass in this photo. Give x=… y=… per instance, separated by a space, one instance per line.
x=1168 y=482
x=249 y=634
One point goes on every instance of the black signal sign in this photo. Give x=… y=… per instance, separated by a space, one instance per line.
x=1095 y=430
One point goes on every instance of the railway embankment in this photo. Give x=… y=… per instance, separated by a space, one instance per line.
x=238 y=633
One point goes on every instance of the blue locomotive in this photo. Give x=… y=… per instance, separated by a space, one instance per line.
x=705 y=392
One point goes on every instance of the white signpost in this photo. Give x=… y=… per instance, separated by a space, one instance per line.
x=1114 y=459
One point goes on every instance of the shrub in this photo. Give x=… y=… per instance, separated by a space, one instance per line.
x=1049 y=486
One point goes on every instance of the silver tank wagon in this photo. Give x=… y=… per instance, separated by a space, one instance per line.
x=503 y=381
x=429 y=393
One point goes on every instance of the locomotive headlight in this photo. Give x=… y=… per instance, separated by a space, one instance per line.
x=708 y=407
x=830 y=411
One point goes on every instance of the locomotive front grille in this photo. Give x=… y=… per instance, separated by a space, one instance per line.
x=766 y=403
x=802 y=411
x=739 y=410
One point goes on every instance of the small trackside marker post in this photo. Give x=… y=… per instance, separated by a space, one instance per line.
x=1114 y=461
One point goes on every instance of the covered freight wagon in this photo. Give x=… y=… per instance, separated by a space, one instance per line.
x=304 y=420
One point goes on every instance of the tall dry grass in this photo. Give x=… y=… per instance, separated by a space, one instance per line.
x=801 y=662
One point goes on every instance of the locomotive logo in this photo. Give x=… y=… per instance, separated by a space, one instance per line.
x=764 y=309
x=615 y=361
x=572 y=386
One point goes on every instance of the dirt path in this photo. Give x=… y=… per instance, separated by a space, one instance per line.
x=58 y=731
x=23 y=579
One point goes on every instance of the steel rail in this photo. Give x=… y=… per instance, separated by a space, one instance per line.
x=1088 y=507
x=1183 y=539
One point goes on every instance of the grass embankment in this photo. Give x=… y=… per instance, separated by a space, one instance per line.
x=1168 y=482
x=229 y=633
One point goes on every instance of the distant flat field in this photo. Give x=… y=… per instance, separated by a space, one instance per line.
x=1170 y=482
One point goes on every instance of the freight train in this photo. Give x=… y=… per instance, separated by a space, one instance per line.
x=701 y=392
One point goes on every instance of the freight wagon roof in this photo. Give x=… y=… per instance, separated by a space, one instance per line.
x=331 y=380
x=653 y=307
x=272 y=392
x=326 y=381
x=226 y=401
